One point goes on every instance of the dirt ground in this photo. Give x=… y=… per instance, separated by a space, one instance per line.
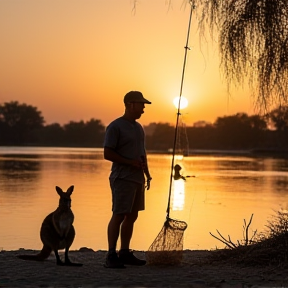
x=195 y=270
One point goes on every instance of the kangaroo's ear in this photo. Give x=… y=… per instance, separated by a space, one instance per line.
x=70 y=190
x=59 y=190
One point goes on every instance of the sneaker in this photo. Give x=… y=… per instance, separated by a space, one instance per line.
x=112 y=261
x=128 y=258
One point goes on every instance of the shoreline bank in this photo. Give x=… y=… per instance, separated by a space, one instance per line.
x=196 y=270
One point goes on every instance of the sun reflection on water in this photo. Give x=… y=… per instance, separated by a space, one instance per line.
x=178 y=196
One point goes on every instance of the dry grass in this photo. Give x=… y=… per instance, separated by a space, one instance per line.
x=268 y=248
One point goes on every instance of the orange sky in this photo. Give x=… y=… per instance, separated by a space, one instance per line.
x=75 y=60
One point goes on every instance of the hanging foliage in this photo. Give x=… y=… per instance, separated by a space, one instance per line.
x=253 y=42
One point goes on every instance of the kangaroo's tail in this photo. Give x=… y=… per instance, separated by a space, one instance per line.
x=42 y=255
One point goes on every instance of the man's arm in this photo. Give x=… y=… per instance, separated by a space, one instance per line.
x=111 y=155
x=146 y=171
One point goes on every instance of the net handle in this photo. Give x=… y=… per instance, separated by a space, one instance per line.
x=178 y=109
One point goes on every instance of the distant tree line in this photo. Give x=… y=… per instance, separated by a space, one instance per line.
x=24 y=125
x=235 y=132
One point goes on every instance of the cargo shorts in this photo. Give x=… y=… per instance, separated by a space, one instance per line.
x=127 y=196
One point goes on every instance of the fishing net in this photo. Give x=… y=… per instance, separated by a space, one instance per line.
x=167 y=248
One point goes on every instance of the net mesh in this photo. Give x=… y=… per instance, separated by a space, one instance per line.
x=167 y=248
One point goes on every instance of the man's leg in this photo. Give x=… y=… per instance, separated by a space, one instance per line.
x=125 y=255
x=127 y=229
x=114 y=229
x=112 y=259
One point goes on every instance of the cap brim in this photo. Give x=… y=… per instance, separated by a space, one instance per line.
x=146 y=101
x=143 y=100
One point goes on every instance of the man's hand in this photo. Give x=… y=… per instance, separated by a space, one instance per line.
x=136 y=163
x=148 y=183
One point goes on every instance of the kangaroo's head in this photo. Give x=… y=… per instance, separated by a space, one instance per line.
x=65 y=199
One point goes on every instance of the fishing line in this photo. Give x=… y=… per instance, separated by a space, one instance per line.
x=179 y=108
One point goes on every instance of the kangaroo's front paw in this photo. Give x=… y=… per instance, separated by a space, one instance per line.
x=60 y=263
x=74 y=264
x=69 y=263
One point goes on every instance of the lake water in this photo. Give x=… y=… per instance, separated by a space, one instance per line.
x=224 y=191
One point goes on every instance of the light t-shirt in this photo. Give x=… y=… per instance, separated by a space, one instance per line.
x=128 y=140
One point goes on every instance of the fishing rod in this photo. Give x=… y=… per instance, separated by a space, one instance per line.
x=178 y=109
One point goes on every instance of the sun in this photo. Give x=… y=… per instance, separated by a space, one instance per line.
x=183 y=102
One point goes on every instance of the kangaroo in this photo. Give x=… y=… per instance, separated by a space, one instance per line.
x=57 y=231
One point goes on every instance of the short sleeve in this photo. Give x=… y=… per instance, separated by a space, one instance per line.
x=111 y=136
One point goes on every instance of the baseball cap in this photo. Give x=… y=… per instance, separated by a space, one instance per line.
x=135 y=96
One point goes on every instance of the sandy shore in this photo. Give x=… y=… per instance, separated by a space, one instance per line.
x=196 y=270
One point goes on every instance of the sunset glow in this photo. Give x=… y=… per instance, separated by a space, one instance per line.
x=182 y=104
x=75 y=60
